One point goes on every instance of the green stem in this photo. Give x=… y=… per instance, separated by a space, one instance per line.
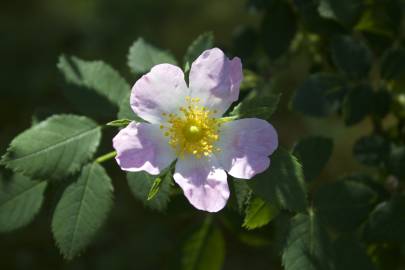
x=106 y=157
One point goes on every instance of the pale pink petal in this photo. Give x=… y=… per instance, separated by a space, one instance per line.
x=142 y=147
x=215 y=79
x=245 y=146
x=162 y=90
x=203 y=182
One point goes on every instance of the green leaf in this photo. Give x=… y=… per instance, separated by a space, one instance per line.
x=283 y=183
x=125 y=111
x=351 y=254
x=205 y=249
x=357 y=105
x=313 y=153
x=155 y=188
x=143 y=56
x=119 y=123
x=259 y=213
x=94 y=75
x=386 y=222
x=82 y=210
x=393 y=64
x=312 y=21
x=278 y=29
x=307 y=246
x=381 y=102
x=347 y=12
x=240 y=194
x=141 y=184
x=203 y=42
x=382 y=18
x=20 y=200
x=257 y=106
x=396 y=161
x=55 y=148
x=371 y=150
x=320 y=95
x=351 y=56
x=344 y=204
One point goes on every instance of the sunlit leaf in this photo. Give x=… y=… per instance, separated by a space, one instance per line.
x=96 y=76
x=259 y=213
x=82 y=210
x=200 y=44
x=141 y=184
x=20 y=200
x=54 y=148
x=143 y=56
x=257 y=106
x=283 y=183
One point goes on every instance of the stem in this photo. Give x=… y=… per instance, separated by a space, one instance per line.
x=106 y=157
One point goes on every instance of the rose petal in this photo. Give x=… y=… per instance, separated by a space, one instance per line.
x=245 y=146
x=216 y=80
x=203 y=183
x=142 y=147
x=162 y=90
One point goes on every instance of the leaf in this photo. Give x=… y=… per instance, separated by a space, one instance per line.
x=143 y=56
x=205 y=249
x=396 y=161
x=320 y=95
x=20 y=200
x=313 y=153
x=240 y=194
x=393 y=64
x=357 y=105
x=371 y=150
x=351 y=56
x=257 y=106
x=347 y=12
x=311 y=19
x=283 y=183
x=82 y=210
x=141 y=184
x=55 y=148
x=125 y=111
x=94 y=75
x=307 y=246
x=119 y=123
x=386 y=222
x=344 y=204
x=381 y=102
x=259 y=213
x=278 y=29
x=381 y=18
x=351 y=254
x=203 y=42
x=155 y=188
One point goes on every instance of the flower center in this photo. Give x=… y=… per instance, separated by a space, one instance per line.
x=193 y=130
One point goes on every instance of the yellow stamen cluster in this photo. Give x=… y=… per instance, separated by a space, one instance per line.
x=193 y=130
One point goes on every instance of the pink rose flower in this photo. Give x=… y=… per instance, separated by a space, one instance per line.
x=184 y=123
